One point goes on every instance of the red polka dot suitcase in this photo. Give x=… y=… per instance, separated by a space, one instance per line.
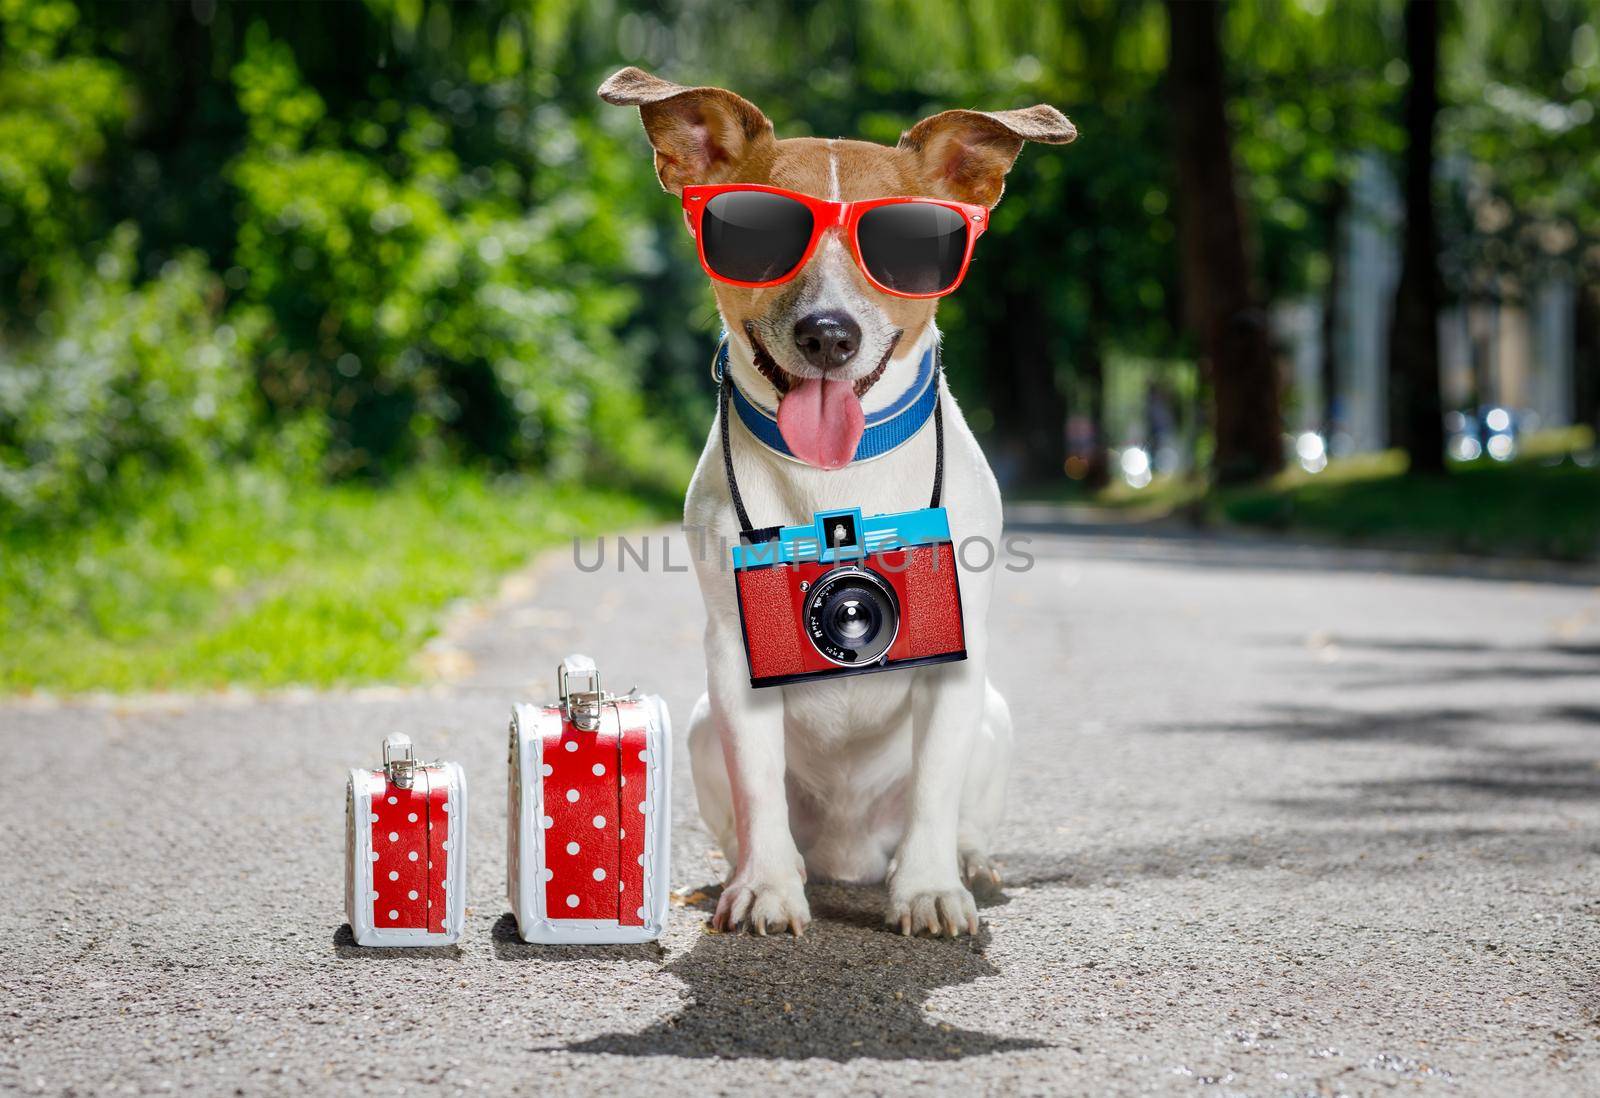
x=405 y=850
x=589 y=821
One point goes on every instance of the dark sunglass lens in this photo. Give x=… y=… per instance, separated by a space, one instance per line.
x=913 y=247
x=752 y=236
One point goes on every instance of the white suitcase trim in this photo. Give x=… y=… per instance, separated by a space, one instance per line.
x=527 y=834
x=361 y=787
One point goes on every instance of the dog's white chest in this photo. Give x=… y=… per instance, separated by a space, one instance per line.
x=824 y=715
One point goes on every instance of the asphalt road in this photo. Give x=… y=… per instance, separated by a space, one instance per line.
x=1283 y=822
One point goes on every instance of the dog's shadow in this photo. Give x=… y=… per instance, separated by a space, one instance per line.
x=849 y=989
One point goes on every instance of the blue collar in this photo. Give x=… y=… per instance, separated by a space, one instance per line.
x=887 y=429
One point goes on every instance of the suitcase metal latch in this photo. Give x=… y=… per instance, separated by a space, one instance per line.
x=581 y=706
x=400 y=760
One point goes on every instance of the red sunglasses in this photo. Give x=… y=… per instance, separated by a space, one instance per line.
x=750 y=235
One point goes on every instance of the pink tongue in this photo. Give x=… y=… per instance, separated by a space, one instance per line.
x=822 y=422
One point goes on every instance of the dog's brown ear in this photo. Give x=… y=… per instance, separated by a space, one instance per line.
x=699 y=134
x=964 y=155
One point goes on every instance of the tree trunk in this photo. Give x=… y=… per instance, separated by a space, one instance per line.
x=1332 y=306
x=1220 y=305
x=1023 y=391
x=1414 y=330
x=1098 y=473
x=1586 y=360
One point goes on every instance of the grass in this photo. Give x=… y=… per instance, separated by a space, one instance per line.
x=1544 y=504
x=1162 y=495
x=1534 y=506
x=246 y=579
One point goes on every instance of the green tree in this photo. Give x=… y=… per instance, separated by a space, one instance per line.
x=1521 y=90
x=1221 y=303
x=59 y=111
x=435 y=239
x=1311 y=97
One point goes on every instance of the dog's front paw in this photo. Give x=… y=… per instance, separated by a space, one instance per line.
x=763 y=905
x=948 y=910
x=978 y=872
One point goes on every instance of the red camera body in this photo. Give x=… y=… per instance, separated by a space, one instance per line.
x=847 y=596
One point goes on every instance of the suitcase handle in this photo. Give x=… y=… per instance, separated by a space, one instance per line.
x=581 y=707
x=576 y=668
x=400 y=760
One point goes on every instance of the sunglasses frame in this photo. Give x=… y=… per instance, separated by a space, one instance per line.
x=825 y=217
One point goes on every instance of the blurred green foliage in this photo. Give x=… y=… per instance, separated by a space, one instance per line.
x=413 y=235
x=428 y=267
x=1522 y=89
x=124 y=381
x=424 y=306
x=1315 y=95
x=57 y=109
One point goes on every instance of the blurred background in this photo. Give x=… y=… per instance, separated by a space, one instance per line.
x=316 y=318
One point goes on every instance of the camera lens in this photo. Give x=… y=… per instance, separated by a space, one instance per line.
x=851 y=619
x=852 y=616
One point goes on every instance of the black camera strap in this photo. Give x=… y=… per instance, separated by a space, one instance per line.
x=724 y=397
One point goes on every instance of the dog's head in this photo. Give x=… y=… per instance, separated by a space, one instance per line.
x=828 y=341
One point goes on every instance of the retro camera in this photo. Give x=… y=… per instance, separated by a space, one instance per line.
x=846 y=594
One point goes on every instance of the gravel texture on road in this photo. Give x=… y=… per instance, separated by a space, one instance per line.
x=1282 y=821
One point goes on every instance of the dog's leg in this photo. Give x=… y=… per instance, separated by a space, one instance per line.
x=767 y=890
x=983 y=794
x=712 y=790
x=925 y=889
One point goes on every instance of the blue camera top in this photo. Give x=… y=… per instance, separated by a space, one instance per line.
x=842 y=535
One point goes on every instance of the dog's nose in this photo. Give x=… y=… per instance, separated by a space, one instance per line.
x=827 y=340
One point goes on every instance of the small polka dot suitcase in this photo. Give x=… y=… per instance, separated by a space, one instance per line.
x=406 y=850
x=589 y=821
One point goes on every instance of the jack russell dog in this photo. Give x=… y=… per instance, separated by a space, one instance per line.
x=827 y=296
